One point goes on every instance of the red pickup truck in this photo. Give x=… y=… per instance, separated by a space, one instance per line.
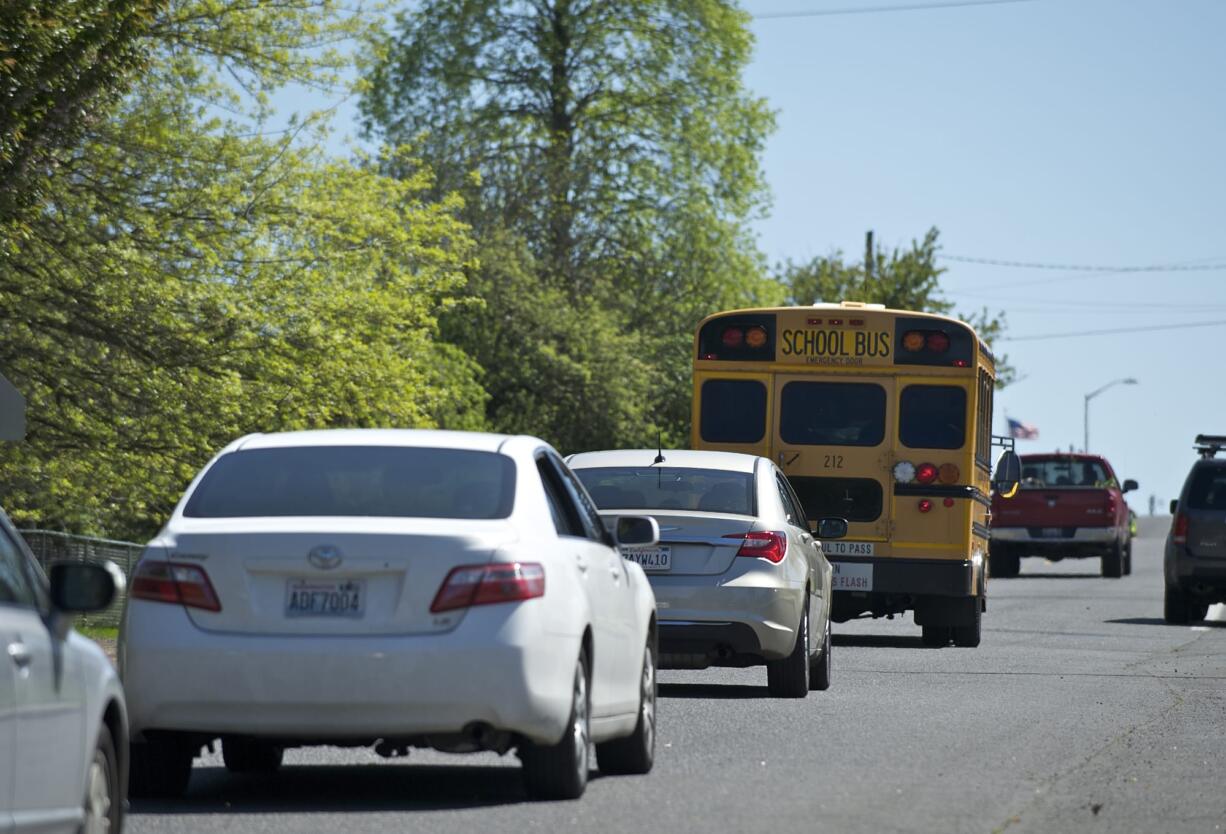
x=1069 y=506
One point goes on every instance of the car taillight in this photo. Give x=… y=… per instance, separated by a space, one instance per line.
x=1179 y=529
x=764 y=545
x=470 y=585
x=1111 y=503
x=925 y=473
x=174 y=582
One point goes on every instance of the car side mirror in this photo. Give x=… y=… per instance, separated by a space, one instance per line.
x=636 y=531
x=83 y=587
x=1174 y=505
x=831 y=528
x=1130 y=485
x=1008 y=475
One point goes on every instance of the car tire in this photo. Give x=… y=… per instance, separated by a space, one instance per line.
x=1175 y=606
x=1004 y=562
x=967 y=636
x=936 y=636
x=103 y=810
x=1113 y=562
x=819 y=665
x=248 y=755
x=560 y=771
x=1128 y=559
x=160 y=768
x=636 y=753
x=789 y=677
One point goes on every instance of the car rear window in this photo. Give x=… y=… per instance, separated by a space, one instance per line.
x=1208 y=489
x=932 y=417
x=733 y=411
x=393 y=481
x=665 y=488
x=1058 y=472
x=832 y=414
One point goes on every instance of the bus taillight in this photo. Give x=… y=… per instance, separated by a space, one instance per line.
x=925 y=505
x=949 y=473
x=925 y=473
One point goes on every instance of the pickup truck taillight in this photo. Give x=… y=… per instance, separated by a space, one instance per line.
x=1111 y=504
x=1179 y=529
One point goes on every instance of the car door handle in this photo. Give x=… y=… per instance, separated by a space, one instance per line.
x=19 y=654
x=581 y=561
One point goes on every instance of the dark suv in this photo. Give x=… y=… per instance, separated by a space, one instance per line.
x=1195 y=560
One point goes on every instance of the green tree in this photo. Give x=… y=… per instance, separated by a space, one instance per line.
x=61 y=65
x=615 y=149
x=902 y=279
x=192 y=276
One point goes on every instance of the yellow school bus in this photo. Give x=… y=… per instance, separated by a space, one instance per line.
x=881 y=417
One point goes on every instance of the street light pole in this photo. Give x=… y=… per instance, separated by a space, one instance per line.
x=1092 y=395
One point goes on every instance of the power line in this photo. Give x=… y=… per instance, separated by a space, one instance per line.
x=906 y=7
x=1180 y=267
x=1078 y=333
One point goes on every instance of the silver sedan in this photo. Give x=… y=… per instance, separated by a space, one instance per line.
x=738 y=576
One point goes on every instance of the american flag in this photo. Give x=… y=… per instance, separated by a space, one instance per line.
x=1022 y=431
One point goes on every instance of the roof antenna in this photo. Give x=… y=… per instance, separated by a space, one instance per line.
x=659 y=448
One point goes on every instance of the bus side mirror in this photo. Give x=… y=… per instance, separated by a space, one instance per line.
x=1130 y=485
x=1008 y=475
x=1174 y=505
x=831 y=528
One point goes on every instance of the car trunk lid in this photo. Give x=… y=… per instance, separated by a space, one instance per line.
x=331 y=575
x=700 y=543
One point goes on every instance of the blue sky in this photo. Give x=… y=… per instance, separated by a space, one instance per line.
x=1057 y=131
x=1089 y=132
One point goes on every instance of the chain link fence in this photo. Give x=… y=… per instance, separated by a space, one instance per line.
x=50 y=546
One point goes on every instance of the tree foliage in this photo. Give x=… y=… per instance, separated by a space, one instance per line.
x=191 y=277
x=612 y=153
x=61 y=64
x=902 y=279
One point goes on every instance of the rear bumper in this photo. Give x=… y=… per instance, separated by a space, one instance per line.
x=752 y=610
x=926 y=577
x=1070 y=540
x=1197 y=574
x=514 y=676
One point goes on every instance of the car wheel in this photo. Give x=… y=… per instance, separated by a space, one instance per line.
x=103 y=803
x=937 y=636
x=247 y=755
x=1113 y=562
x=819 y=666
x=1004 y=562
x=635 y=753
x=1128 y=559
x=967 y=636
x=160 y=768
x=789 y=677
x=559 y=771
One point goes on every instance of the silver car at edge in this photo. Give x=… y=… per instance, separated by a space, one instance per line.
x=739 y=578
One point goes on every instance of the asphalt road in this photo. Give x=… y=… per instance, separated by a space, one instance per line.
x=1081 y=710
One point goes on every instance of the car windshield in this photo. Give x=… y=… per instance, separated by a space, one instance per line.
x=1064 y=472
x=669 y=488
x=1208 y=490
x=356 y=481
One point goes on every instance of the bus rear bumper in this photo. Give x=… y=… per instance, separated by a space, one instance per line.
x=930 y=587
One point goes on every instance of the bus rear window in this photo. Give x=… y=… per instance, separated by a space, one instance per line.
x=832 y=414
x=932 y=417
x=733 y=411
x=855 y=499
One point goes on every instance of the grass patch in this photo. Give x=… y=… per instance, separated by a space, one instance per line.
x=99 y=632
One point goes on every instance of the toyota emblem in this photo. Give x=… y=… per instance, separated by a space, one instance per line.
x=324 y=557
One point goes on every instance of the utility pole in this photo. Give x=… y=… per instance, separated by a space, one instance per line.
x=868 y=257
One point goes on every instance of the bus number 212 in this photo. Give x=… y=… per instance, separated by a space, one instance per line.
x=833 y=462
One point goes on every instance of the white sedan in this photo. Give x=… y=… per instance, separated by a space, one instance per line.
x=394 y=588
x=63 y=727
